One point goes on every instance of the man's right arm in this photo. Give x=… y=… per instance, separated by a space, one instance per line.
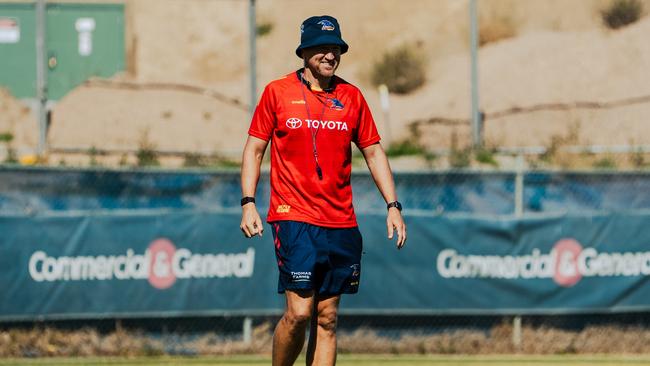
x=251 y=222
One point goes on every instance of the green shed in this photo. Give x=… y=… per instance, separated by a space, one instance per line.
x=82 y=40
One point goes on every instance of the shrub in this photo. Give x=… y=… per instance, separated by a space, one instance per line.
x=92 y=154
x=403 y=148
x=220 y=161
x=621 y=13
x=264 y=28
x=193 y=160
x=146 y=154
x=460 y=158
x=637 y=159
x=124 y=159
x=485 y=156
x=402 y=70
x=6 y=137
x=606 y=162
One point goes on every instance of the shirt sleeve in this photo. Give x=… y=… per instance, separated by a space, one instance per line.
x=366 y=129
x=264 y=118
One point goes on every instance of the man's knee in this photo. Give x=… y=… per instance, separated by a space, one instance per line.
x=297 y=318
x=327 y=319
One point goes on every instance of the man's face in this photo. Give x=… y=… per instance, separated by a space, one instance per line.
x=323 y=60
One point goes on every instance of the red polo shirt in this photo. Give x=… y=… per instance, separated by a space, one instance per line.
x=289 y=114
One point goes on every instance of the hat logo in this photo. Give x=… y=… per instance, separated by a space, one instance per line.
x=294 y=123
x=327 y=25
x=302 y=28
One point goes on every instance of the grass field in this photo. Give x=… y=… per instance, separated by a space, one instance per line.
x=351 y=360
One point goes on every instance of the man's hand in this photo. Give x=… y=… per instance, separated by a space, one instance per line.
x=251 y=222
x=395 y=222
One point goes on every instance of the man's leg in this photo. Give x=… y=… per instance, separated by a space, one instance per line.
x=322 y=336
x=289 y=334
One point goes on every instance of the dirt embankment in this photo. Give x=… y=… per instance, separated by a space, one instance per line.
x=559 y=53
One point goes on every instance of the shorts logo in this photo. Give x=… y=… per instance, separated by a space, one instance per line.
x=300 y=276
x=356 y=271
x=327 y=25
x=283 y=209
x=298 y=102
x=294 y=123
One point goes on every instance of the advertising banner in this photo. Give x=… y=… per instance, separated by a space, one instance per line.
x=132 y=265
x=189 y=263
x=543 y=265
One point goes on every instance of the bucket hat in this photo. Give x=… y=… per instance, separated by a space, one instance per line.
x=318 y=31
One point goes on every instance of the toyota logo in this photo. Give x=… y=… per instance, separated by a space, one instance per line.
x=294 y=123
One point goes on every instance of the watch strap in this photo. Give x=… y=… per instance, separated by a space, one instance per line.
x=247 y=199
x=395 y=204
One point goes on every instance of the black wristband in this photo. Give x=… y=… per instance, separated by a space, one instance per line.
x=395 y=204
x=246 y=200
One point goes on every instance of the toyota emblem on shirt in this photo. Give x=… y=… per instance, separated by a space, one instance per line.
x=294 y=123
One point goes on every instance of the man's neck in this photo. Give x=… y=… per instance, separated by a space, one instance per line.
x=317 y=82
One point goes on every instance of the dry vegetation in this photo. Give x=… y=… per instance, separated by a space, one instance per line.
x=498 y=340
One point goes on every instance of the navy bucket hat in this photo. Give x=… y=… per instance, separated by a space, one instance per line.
x=319 y=31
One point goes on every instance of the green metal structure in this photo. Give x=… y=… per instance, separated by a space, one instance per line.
x=18 y=49
x=81 y=41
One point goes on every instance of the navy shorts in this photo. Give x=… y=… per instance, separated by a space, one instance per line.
x=326 y=260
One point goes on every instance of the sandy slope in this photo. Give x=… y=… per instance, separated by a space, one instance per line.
x=561 y=54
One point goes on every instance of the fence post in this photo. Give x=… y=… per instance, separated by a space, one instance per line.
x=477 y=139
x=516 y=332
x=252 y=45
x=248 y=330
x=519 y=187
x=41 y=76
x=519 y=213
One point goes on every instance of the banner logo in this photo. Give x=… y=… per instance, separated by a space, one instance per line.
x=567 y=263
x=161 y=275
x=567 y=272
x=162 y=264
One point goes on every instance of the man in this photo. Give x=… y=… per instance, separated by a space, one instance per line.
x=312 y=116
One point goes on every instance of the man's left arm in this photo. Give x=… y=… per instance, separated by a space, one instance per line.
x=383 y=177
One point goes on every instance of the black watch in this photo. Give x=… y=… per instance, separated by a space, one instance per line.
x=246 y=200
x=395 y=204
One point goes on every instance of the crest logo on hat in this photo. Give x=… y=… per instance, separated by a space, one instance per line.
x=302 y=28
x=327 y=25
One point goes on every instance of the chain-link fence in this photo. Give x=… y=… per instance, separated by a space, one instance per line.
x=67 y=213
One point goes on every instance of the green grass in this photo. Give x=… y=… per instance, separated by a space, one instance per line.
x=353 y=360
